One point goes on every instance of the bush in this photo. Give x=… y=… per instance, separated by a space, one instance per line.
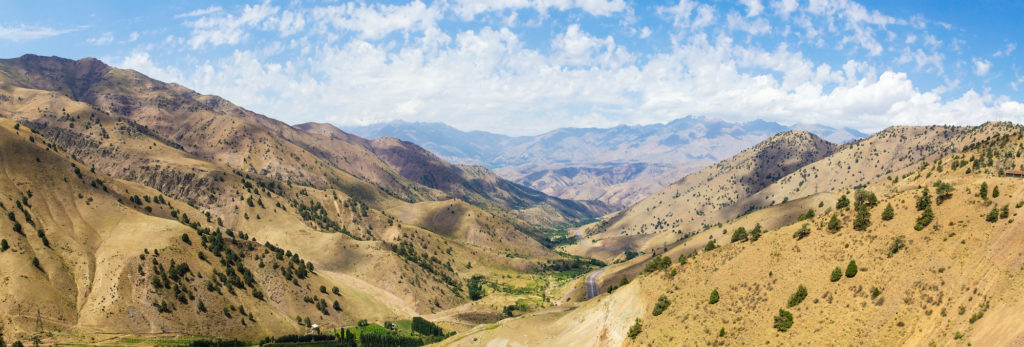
x=4 y=246
x=924 y=219
x=1005 y=211
x=842 y=203
x=993 y=215
x=896 y=245
x=784 y=320
x=661 y=305
x=875 y=292
x=983 y=191
x=35 y=262
x=802 y=232
x=797 y=297
x=888 y=213
x=834 y=224
x=658 y=263
x=710 y=246
x=924 y=200
x=851 y=269
x=806 y=215
x=714 y=297
x=837 y=273
x=864 y=197
x=863 y=219
x=739 y=235
x=995 y=191
x=756 y=233
x=943 y=191
x=635 y=330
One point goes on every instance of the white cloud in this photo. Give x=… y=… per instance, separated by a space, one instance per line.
x=104 y=39
x=377 y=21
x=200 y=12
x=981 y=66
x=754 y=7
x=29 y=33
x=1005 y=52
x=922 y=59
x=784 y=7
x=227 y=29
x=133 y=36
x=645 y=32
x=139 y=61
x=683 y=16
x=469 y=9
x=601 y=7
x=756 y=26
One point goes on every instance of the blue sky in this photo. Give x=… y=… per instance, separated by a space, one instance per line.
x=528 y=66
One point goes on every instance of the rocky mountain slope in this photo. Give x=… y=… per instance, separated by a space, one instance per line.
x=619 y=165
x=112 y=168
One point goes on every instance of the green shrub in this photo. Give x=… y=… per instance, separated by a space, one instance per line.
x=714 y=297
x=658 y=263
x=784 y=320
x=851 y=269
x=475 y=288
x=837 y=273
x=843 y=202
x=995 y=191
x=710 y=246
x=739 y=235
x=897 y=244
x=4 y=246
x=806 y=215
x=1004 y=212
x=834 y=224
x=863 y=219
x=756 y=233
x=864 y=197
x=802 y=232
x=943 y=191
x=924 y=219
x=924 y=200
x=888 y=213
x=797 y=297
x=721 y=333
x=993 y=215
x=875 y=292
x=983 y=191
x=661 y=305
x=635 y=330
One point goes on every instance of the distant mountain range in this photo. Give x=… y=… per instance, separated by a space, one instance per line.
x=618 y=165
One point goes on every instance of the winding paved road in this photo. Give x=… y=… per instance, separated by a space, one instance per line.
x=591 y=282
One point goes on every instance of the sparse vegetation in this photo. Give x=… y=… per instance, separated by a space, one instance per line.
x=661 y=305
x=714 y=297
x=897 y=244
x=634 y=330
x=851 y=269
x=797 y=297
x=802 y=232
x=843 y=202
x=834 y=224
x=837 y=274
x=783 y=321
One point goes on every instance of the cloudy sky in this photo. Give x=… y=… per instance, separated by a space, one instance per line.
x=527 y=66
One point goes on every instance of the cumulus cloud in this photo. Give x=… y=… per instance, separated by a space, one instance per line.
x=981 y=66
x=359 y=63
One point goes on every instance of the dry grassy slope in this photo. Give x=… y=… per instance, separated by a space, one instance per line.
x=959 y=260
x=380 y=283
x=709 y=196
x=92 y=278
x=854 y=164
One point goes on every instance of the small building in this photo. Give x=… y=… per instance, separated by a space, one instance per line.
x=1013 y=173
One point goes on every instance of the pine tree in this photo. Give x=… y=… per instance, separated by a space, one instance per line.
x=756 y=233
x=714 y=297
x=995 y=191
x=924 y=219
x=888 y=213
x=863 y=219
x=983 y=192
x=739 y=235
x=924 y=200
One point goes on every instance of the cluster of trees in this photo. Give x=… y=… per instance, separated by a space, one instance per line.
x=475 y=287
x=658 y=263
x=661 y=305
